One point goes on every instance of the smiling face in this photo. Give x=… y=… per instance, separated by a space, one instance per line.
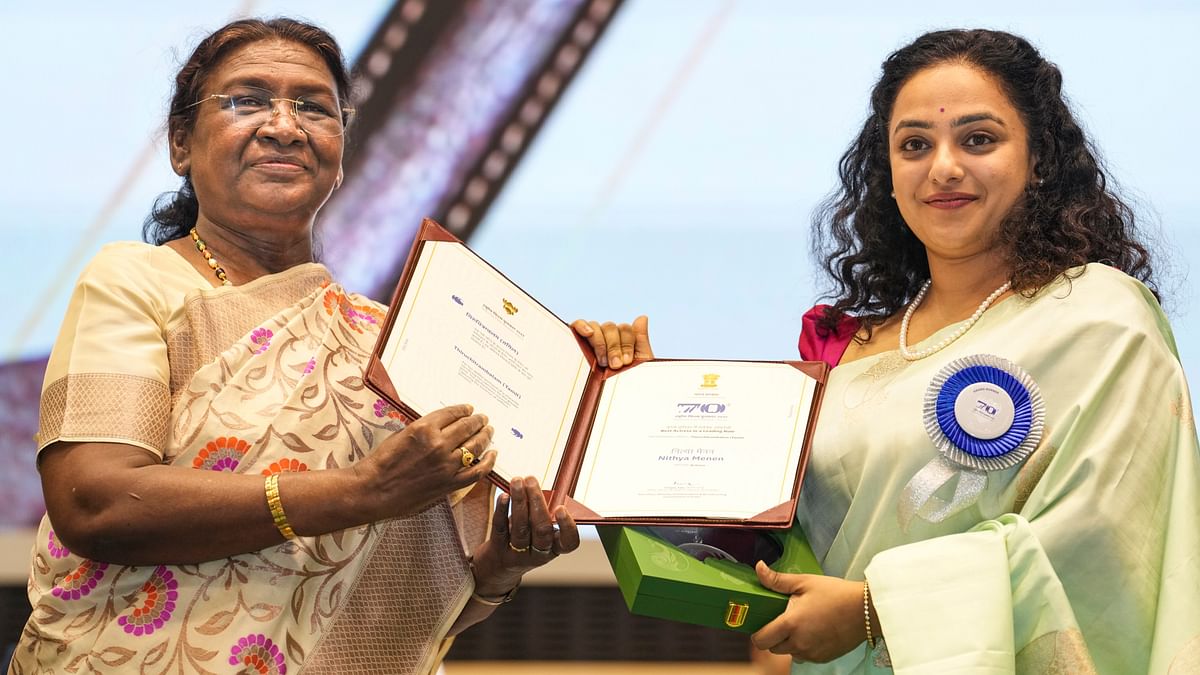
x=960 y=159
x=270 y=178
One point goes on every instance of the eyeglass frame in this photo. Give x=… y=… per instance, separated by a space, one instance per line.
x=346 y=116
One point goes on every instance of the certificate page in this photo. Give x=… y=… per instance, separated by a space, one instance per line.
x=709 y=439
x=465 y=334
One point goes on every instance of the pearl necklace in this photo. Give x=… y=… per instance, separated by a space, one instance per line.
x=212 y=262
x=908 y=314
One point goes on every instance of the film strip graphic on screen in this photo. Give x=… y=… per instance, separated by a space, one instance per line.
x=444 y=120
x=450 y=94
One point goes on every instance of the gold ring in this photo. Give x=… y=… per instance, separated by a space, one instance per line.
x=468 y=457
x=517 y=550
x=543 y=551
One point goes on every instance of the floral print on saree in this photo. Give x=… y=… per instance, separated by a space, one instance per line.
x=385 y=592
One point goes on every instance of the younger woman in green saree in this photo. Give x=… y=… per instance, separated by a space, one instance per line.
x=1005 y=473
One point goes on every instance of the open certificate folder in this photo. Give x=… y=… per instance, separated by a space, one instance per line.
x=661 y=441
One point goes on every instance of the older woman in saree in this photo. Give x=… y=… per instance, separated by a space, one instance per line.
x=223 y=492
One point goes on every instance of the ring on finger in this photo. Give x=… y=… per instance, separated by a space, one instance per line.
x=468 y=457
x=543 y=551
x=517 y=549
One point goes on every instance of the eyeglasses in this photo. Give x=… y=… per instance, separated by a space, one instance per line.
x=251 y=108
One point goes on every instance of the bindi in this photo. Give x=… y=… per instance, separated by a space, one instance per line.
x=941 y=110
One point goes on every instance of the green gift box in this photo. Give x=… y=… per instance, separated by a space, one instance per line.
x=658 y=579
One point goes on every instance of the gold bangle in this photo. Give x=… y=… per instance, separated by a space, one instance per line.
x=490 y=602
x=276 y=506
x=867 y=613
x=496 y=602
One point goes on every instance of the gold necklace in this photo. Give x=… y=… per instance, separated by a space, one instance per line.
x=208 y=257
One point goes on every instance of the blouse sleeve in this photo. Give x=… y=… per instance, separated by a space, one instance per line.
x=107 y=377
x=817 y=344
x=1099 y=570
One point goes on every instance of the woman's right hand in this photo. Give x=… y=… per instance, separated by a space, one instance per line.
x=617 y=345
x=416 y=467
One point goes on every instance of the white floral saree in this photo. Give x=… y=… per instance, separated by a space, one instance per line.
x=260 y=378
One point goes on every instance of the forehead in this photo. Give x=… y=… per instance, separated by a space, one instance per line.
x=282 y=66
x=952 y=89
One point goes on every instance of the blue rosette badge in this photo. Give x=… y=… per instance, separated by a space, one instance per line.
x=983 y=413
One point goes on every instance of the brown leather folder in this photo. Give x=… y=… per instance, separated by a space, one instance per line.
x=564 y=487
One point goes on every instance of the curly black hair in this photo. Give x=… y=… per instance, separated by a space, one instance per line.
x=1071 y=218
x=174 y=213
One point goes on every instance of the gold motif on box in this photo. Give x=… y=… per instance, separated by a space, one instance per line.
x=710 y=381
x=509 y=307
x=736 y=613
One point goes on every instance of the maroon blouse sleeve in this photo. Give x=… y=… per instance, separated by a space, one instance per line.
x=820 y=345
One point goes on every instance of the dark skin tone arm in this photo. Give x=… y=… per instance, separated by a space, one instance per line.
x=129 y=508
x=498 y=567
x=257 y=192
x=117 y=503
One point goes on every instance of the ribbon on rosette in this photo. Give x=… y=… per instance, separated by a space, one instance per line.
x=983 y=413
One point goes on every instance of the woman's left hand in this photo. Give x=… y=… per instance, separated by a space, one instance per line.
x=617 y=345
x=823 y=619
x=523 y=539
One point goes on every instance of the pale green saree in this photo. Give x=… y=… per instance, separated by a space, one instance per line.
x=1083 y=558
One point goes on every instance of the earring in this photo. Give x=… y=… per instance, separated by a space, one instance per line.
x=893 y=194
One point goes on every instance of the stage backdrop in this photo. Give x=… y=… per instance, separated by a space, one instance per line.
x=675 y=177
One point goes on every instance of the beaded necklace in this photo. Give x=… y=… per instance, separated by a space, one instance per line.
x=928 y=351
x=220 y=271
